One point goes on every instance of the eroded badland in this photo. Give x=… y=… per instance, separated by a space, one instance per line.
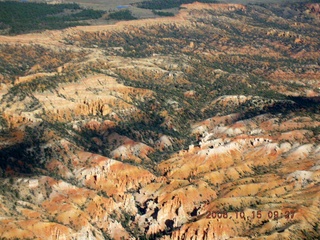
x=143 y=129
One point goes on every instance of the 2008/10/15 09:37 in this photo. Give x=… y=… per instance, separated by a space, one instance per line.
x=254 y=214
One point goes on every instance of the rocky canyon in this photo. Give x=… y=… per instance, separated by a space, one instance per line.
x=205 y=125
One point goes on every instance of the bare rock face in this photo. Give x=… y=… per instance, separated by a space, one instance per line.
x=204 y=125
x=314 y=9
x=225 y=161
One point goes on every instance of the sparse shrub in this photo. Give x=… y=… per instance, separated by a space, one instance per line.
x=122 y=15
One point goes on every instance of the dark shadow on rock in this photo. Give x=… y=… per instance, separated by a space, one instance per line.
x=290 y=105
x=27 y=156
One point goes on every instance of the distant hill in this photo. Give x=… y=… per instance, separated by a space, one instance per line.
x=23 y=17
